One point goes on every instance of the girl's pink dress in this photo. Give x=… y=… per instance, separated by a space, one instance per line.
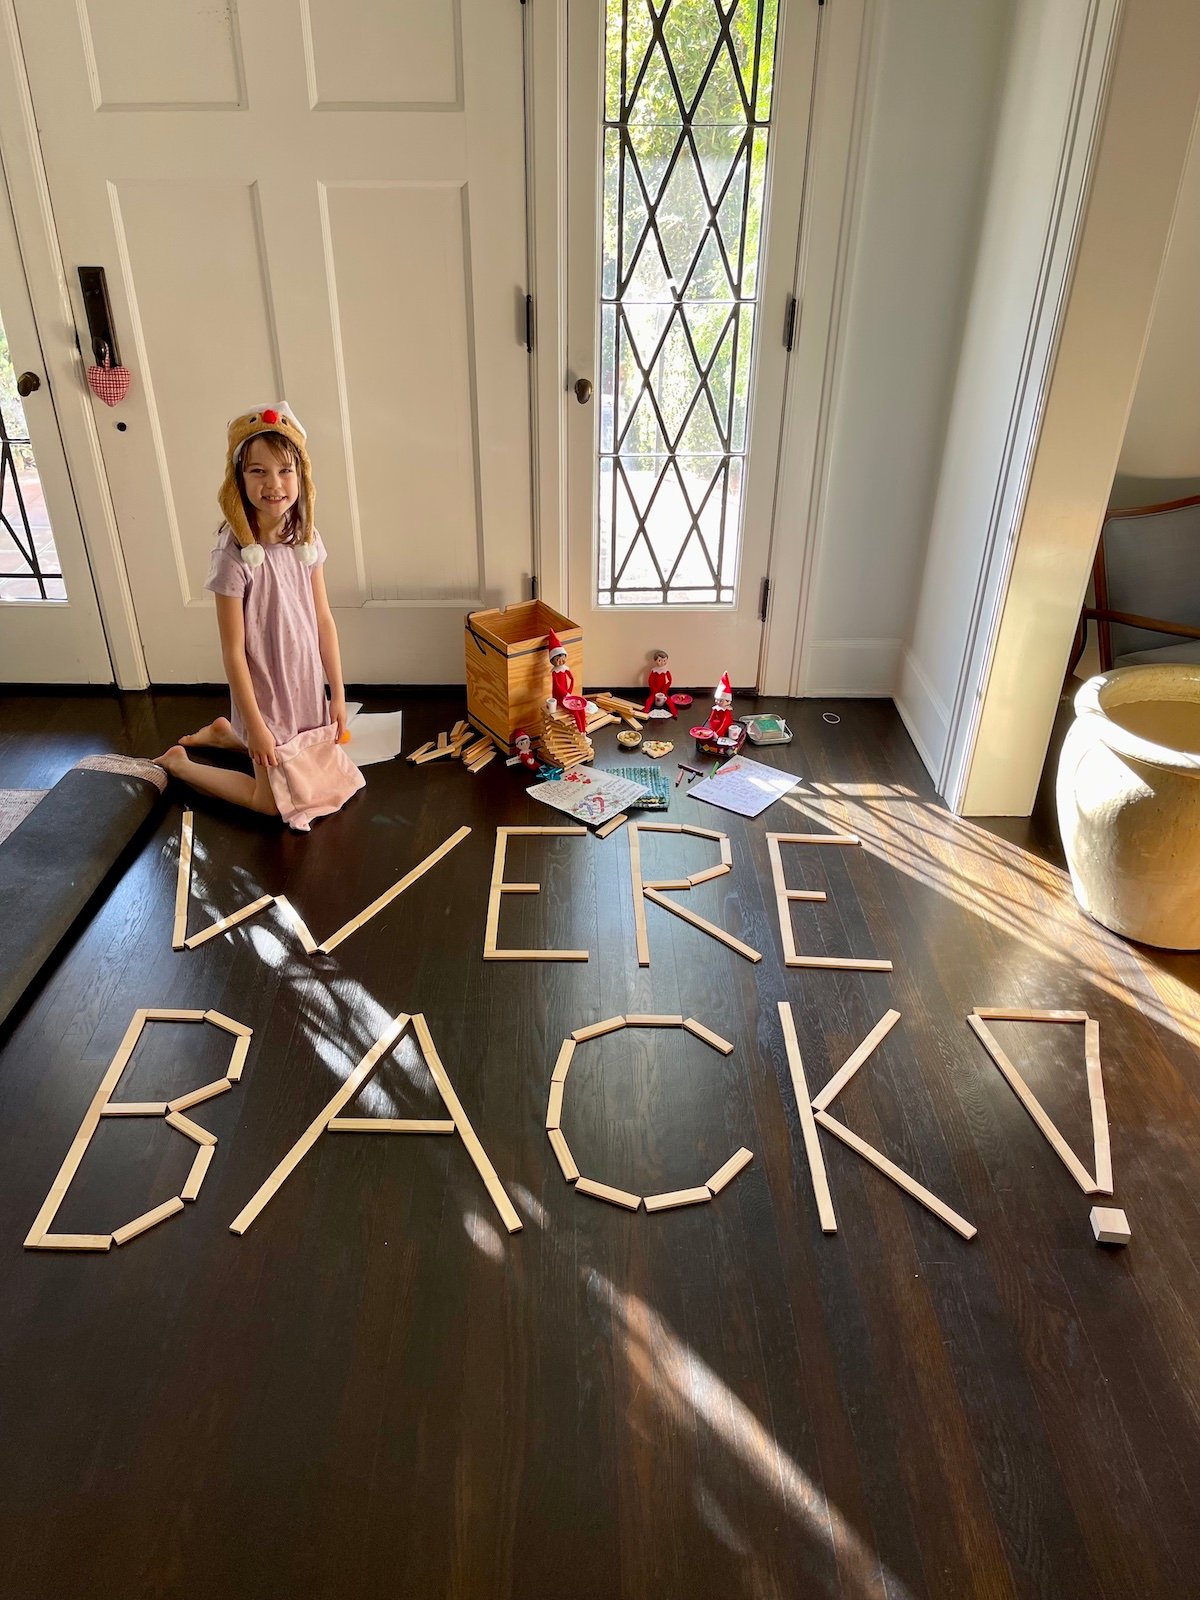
x=283 y=653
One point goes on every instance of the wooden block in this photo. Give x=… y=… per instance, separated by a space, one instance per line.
x=601 y=1191
x=237 y=1060
x=705 y=927
x=726 y=853
x=726 y=1174
x=668 y=883
x=719 y=871
x=562 y=1150
x=220 y=1020
x=317 y=1126
x=546 y=833
x=595 y=1029
x=816 y=838
x=1110 y=1225
x=612 y=825
x=196 y=1176
x=443 y=741
x=435 y=754
x=297 y=924
x=554 y=1104
x=71 y=1241
x=639 y=895
x=459 y=728
x=661 y=827
x=709 y=1037
x=520 y=888
x=168 y=1014
x=999 y=1014
x=1101 y=1148
x=483 y=760
x=421 y=750
x=910 y=1185
x=808 y=1126
x=841 y=1078
x=475 y=1150
x=838 y=964
x=226 y=923
x=189 y=1129
x=87 y=1127
x=209 y=1091
x=398 y=888
x=387 y=1125
x=134 y=1108
x=535 y=955
x=1031 y=1103
x=702 y=833
x=652 y=1020
x=183 y=883
x=148 y=1219
x=677 y=1198
x=563 y=1065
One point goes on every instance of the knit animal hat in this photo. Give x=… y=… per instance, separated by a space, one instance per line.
x=283 y=420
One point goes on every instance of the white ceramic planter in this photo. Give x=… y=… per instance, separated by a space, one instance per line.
x=1129 y=803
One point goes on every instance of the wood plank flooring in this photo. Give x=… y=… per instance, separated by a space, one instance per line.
x=376 y=1391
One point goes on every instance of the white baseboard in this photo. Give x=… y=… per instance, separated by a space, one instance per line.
x=923 y=712
x=852 y=668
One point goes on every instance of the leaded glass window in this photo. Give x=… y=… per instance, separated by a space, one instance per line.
x=687 y=113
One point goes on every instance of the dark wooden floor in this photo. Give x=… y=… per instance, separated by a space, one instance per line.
x=377 y=1392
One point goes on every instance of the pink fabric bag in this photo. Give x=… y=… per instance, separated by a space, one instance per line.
x=313 y=778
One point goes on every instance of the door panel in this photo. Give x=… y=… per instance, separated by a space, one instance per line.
x=299 y=210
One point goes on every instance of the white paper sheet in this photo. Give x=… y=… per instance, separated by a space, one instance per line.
x=374 y=737
x=744 y=787
x=588 y=796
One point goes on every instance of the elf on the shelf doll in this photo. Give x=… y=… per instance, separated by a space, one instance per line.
x=562 y=678
x=660 y=702
x=523 y=748
x=721 y=715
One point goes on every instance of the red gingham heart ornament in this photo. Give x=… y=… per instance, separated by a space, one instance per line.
x=109 y=383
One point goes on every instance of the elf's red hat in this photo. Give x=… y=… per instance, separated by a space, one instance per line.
x=724 y=687
x=553 y=643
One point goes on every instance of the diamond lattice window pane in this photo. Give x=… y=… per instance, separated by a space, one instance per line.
x=687 y=105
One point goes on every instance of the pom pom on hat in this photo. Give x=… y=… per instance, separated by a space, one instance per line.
x=253 y=555
x=306 y=554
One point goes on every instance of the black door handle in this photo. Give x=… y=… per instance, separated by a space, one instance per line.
x=28 y=383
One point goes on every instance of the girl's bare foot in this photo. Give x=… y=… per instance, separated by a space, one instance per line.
x=175 y=760
x=238 y=787
x=219 y=732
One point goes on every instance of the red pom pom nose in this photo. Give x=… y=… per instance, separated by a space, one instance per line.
x=270 y=416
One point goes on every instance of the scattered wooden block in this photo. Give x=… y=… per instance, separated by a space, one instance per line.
x=443 y=741
x=841 y=1078
x=183 y=883
x=227 y=923
x=220 y=1020
x=1110 y=1225
x=189 y=1129
x=148 y=1219
x=482 y=761
x=808 y=1126
x=1031 y=1103
x=705 y=927
x=653 y=1020
x=196 y=1176
x=71 y=1241
x=910 y=1185
x=595 y=1029
x=387 y=1125
x=459 y=728
x=563 y=1065
x=297 y=924
x=709 y=1037
x=562 y=1150
x=554 y=1105
x=435 y=754
x=612 y=825
x=602 y=1191
x=398 y=888
x=208 y=1091
x=134 y=1108
x=421 y=750
x=237 y=1060
x=725 y=1175
x=678 y=1197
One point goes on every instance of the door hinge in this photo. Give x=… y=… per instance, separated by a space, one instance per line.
x=789 y=322
x=528 y=318
x=764 y=599
x=533 y=583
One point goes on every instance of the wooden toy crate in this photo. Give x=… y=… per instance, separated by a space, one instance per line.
x=508 y=669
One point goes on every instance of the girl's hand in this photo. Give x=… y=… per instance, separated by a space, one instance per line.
x=337 y=715
x=261 y=745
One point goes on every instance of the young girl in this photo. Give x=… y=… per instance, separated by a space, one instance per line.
x=279 y=643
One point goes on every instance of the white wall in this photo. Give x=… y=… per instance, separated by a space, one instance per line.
x=1160 y=458
x=938 y=68
x=1001 y=347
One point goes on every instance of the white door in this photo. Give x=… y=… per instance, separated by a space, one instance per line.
x=686 y=154
x=50 y=629
x=320 y=201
